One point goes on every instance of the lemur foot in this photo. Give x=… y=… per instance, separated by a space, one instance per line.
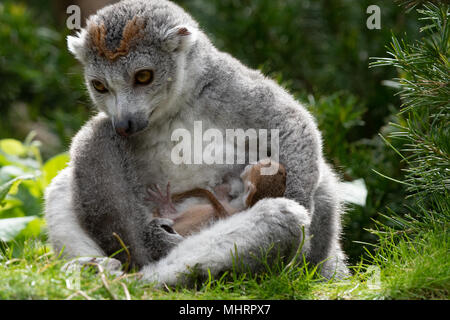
x=222 y=191
x=163 y=202
x=110 y=265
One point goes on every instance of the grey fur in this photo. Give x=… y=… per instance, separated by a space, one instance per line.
x=107 y=176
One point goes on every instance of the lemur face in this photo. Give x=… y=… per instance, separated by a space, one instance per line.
x=131 y=88
x=134 y=67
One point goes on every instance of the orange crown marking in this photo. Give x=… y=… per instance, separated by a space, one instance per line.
x=131 y=32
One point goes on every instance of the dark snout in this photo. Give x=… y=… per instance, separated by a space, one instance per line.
x=129 y=125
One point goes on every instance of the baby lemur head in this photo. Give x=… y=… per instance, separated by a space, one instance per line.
x=133 y=53
x=260 y=186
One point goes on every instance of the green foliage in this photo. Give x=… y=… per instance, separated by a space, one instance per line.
x=36 y=69
x=413 y=248
x=338 y=116
x=425 y=93
x=23 y=179
x=415 y=269
x=320 y=47
x=11 y=228
x=411 y=4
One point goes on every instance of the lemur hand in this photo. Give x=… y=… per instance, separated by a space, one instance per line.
x=164 y=202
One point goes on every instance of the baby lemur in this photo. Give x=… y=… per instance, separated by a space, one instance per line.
x=256 y=186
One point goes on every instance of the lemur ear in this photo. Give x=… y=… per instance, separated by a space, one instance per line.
x=179 y=38
x=76 y=45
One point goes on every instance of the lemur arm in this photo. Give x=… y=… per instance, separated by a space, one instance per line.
x=106 y=196
x=300 y=151
x=247 y=100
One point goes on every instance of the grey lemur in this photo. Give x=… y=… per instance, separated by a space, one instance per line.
x=149 y=70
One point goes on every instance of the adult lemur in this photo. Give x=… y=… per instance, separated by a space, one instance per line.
x=150 y=70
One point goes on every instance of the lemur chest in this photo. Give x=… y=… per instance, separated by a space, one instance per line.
x=177 y=152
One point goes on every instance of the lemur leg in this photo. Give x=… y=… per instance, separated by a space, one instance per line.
x=274 y=224
x=65 y=233
x=326 y=228
x=64 y=230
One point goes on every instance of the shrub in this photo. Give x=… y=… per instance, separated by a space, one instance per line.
x=23 y=179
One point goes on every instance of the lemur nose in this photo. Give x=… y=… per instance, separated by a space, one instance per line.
x=128 y=126
x=125 y=127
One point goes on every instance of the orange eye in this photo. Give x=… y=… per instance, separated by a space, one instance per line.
x=99 y=86
x=144 y=77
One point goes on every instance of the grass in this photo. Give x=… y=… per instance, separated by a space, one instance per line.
x=404 y=268
x=37 y=274
x=418 y=269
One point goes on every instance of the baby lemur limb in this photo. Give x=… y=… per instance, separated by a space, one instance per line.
x=257 y=186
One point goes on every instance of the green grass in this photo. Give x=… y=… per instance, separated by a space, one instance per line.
x=418 y=269
x=36 y=274
x=409 y=268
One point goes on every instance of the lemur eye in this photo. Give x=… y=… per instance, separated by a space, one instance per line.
x=99 y=86
x=143 y=77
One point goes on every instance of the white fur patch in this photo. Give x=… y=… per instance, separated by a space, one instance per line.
x=76 y=44
x=65 y=232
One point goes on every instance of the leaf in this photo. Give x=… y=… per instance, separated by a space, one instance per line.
x=10 y=172
x=11 y=228
x=33 y=229
x=12 y=147
x=9 y=204
x=53 y=166
x=31 y=195
x=24 y=163
x=12 y=210
x=11 y=186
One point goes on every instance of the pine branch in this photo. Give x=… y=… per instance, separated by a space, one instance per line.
x=424 y=83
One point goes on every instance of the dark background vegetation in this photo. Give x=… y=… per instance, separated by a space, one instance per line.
x=319 y=50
